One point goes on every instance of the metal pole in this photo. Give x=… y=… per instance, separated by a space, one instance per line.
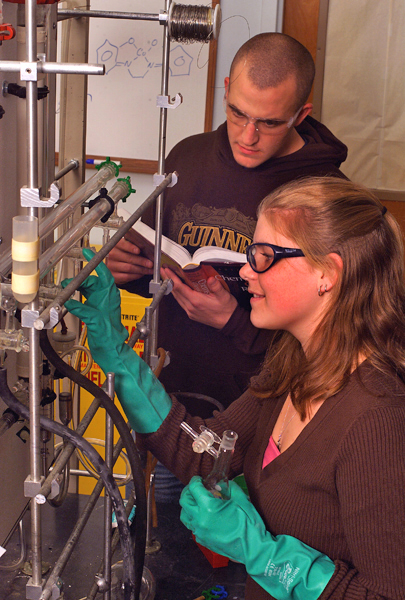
x=109 y=444
x=141 y=329
x=150 y=351
x=107 y=14
x=13 y=66
x=72 y=164
x=34 y=366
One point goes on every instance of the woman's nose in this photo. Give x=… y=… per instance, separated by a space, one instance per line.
x=246 y=272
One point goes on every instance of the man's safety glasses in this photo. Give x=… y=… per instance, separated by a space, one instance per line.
x=265 y=126
x=261 y=257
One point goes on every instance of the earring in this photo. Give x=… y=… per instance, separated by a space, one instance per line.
x=320 y=292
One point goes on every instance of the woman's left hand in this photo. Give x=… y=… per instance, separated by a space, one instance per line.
x=283 y=566
x=221 y=525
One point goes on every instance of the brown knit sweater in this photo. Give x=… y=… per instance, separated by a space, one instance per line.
x=339 y=488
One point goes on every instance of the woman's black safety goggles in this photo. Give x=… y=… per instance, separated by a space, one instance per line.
x=261 y=257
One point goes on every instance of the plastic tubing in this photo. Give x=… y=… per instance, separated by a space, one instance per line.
x=56 y=216
x=52 y=255
x=78 y=441
x=123 y=430
x=25 y=252
x=75 y=283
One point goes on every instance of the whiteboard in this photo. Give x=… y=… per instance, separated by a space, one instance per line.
x=122 y=117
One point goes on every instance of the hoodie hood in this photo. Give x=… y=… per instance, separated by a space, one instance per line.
x=322 y=151
x=320 y=144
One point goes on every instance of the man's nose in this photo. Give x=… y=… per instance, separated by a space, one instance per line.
x=250 y=134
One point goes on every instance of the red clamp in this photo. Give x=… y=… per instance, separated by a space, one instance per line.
x=7 y=32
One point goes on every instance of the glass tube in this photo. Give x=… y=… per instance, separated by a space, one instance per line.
x=25 y=251
x=217 y=481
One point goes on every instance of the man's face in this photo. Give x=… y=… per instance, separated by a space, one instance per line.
x=250 y=147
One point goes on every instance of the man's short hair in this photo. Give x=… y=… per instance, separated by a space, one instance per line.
x=271 y=58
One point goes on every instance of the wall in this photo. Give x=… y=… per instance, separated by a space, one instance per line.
x=364 y=89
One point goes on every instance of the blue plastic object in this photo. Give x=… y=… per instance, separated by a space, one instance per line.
x=215 y=593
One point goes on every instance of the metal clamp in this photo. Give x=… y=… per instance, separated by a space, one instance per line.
x=34 y=591
x=154 y=287
x=167 y=102
x=29 y=71
x=54 y=195
x=157 y=179
x=30 y=197
x=154 y=361
x=56 y=486
x=32 y=488
x=31 y=318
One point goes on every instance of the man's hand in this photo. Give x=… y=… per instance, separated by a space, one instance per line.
x=214 y=309
x=126 y=263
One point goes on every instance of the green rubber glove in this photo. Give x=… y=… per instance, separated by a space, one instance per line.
x=142 y=396
x=283 y=566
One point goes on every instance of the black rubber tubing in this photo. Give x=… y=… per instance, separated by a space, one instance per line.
x=139 y=523
x=132 y=560
x=68 y=434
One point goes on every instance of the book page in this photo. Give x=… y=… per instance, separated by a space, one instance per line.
x=144 y=238
x=218 y=254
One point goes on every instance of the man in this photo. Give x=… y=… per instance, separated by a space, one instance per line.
x=268 y=139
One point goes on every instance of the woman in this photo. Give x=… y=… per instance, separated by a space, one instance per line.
x=321 y=429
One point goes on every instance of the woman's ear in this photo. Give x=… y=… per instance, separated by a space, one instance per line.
x=331 y=275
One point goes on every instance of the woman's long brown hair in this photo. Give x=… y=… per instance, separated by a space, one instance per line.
x=365 y=316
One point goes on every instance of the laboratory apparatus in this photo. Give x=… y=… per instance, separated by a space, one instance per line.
x=40 y=355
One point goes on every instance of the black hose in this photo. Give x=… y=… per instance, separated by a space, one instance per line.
x=105 y=473
x=132 y=452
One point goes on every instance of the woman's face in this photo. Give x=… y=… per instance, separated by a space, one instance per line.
x=286 y=296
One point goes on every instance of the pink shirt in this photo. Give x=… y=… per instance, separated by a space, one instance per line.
x=271 y=452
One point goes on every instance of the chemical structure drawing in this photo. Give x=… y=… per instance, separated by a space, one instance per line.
x=139 y=60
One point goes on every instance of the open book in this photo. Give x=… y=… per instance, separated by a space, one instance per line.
x=194 y=270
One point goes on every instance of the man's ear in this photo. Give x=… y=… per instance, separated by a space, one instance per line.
x=226 y=83
x=305 y=111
